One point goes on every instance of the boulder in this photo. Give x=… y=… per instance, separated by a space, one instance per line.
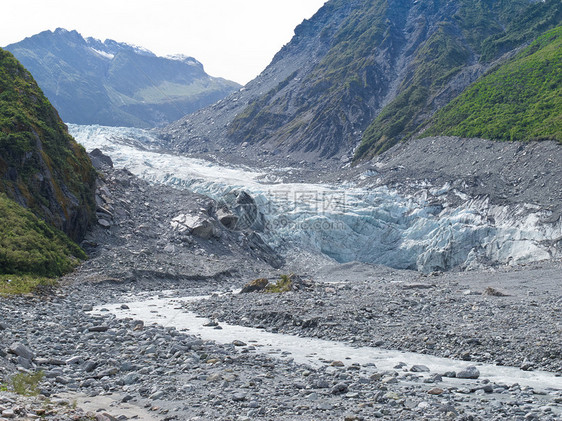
x=470 y=372
x=100 y=160
x=226 y=218
x=255 y=285
x=21 y=350
x=197 y=225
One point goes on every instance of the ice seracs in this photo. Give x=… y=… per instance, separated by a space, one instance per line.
x=421 y=231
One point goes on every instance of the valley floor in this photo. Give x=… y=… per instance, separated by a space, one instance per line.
x=98 y=349
x=126 y=366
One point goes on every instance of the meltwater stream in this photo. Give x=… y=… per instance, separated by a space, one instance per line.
x=343 y=222
x=166 y=309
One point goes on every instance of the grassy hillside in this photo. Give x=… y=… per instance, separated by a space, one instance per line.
x=41 y=166
x=28 y=246
x=521 y=100
x=479 y=32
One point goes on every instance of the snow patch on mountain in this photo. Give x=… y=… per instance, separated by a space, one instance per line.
x=103 y=53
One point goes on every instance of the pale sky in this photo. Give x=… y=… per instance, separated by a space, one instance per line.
x=234 y=39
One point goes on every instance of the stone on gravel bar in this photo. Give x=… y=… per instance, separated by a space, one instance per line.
x=21 y=350
x=419 y=369
x=470 y=372
x=104 y=223
x=100 y=328
x=339 y=388
x=255 y=285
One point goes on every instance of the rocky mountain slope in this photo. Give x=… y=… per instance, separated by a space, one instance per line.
x=115 y=84
x=42 y=168
x=361 y=75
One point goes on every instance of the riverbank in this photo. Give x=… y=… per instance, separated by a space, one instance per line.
x=171 y=373
x=508 y=316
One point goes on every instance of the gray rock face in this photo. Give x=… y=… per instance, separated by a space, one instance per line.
x=60 y=194
x=305 y=105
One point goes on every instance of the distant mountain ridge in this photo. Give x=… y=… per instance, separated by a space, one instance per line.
x=362 y=75
x=116 y=84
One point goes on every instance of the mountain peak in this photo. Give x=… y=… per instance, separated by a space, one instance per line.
x=115 y=83
x=360 y=76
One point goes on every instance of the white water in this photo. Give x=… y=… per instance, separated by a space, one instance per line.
x=167 y=311
x=344 y=223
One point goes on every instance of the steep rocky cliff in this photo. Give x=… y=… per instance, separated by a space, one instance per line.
x=41 y=166
x=361 y=75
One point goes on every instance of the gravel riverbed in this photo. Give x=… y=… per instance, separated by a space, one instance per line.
x=509 y=317
x=123 y=367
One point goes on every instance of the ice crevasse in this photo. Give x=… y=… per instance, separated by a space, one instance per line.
x=347 y=223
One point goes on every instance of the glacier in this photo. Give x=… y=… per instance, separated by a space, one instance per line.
x=345 y=223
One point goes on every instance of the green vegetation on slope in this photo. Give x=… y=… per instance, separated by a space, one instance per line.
x=436 y=62
x=446 y=52
x=521 y=100
x=28 y=246
x=41 y=165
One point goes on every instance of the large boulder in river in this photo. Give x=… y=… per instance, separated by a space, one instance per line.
x=470 y=372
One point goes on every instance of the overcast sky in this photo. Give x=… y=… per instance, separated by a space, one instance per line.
x=234 y=39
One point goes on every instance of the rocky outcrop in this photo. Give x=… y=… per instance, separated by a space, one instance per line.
x=198 y=225
x=255 y=285
x=148 y=232
x=41 y=166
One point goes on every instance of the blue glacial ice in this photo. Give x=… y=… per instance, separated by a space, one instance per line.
x=347 y=223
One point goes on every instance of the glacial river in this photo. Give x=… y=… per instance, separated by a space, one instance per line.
x=166 y=309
